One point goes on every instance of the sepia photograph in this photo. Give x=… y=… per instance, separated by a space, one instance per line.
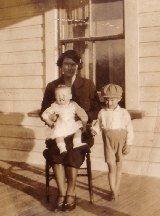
x=80 y=107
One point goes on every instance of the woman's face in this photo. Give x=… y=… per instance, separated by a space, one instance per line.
x=69 y=67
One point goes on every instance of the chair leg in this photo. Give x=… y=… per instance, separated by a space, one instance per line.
x=89 y=172
x=47 y=182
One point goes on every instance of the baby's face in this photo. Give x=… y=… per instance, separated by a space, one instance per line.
x=63 y=96
x=111 y=103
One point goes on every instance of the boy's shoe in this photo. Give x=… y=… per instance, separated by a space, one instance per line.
x=80 y=146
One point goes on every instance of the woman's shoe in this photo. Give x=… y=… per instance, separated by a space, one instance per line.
x=70 y=203
x=59 y=206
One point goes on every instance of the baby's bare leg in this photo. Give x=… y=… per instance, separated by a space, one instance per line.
x=77 y=140
x=61 y=144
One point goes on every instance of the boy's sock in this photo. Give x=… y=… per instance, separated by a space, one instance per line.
x=78 y=144
x=62 y=147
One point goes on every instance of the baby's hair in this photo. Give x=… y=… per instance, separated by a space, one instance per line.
x=61 y=86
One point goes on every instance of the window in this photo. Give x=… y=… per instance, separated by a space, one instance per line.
x=95 y=28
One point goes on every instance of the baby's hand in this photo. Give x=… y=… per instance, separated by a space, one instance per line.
x=53 y=117
x=126 y=149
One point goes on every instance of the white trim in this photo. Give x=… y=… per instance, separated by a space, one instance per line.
x=51 y=45
x=131 y=55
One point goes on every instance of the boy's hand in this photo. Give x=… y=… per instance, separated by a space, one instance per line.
x=126 y=149
x=92 y=131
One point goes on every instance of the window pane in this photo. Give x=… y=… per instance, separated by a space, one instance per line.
x=110 y=64
x=107 y=17
x=73 y=19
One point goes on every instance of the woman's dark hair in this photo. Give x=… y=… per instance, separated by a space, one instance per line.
x=72 y=54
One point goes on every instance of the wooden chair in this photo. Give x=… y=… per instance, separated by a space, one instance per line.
x=50 y=175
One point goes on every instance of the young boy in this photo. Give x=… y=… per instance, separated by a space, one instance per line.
x=65 y=124
x=117 y=132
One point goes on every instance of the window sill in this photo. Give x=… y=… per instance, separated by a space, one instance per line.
x=135 y=114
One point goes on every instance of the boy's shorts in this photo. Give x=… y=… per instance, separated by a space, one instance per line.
x=114 y=141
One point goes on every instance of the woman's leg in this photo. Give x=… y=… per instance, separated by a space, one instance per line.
x=59 y=173
x=71 y=174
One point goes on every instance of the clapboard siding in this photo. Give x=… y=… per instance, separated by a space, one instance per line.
x=22 y=22
x=20 y=119
x=147 y=124
x=31 y=82
x=145 y=139
x=146 y=6
x=151 y=108
x=150 y=79
x=22 y=75
x=141 y=168
x=18 y=94
x=150 y=94
x=149 y=49
x=150 y=19
x=21 y=57
x=31 y=69
x=21 y=33
x=21 y=45
x=20 y=11
x=140 y=139
x=19 y=106
x=149 y=34
x=22 y=144
x=14 y=131
x=13 y=3
x=140 y=153
x=149 y=64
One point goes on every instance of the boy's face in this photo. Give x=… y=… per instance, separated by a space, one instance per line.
x=63 y=96
x=111 y=103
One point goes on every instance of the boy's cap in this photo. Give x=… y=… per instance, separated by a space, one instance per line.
x=111 y=90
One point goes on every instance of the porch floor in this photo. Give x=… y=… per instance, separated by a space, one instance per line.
x=22 y=193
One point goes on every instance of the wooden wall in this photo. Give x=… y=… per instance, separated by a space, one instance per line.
x=22 y=78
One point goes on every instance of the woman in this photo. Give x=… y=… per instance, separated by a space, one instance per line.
x=84 y=94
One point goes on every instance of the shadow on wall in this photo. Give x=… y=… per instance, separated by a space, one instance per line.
x=15 y=12
x=16 y=141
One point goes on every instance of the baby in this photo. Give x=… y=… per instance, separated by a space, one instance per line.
x=65 y=124
x=117 y=132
